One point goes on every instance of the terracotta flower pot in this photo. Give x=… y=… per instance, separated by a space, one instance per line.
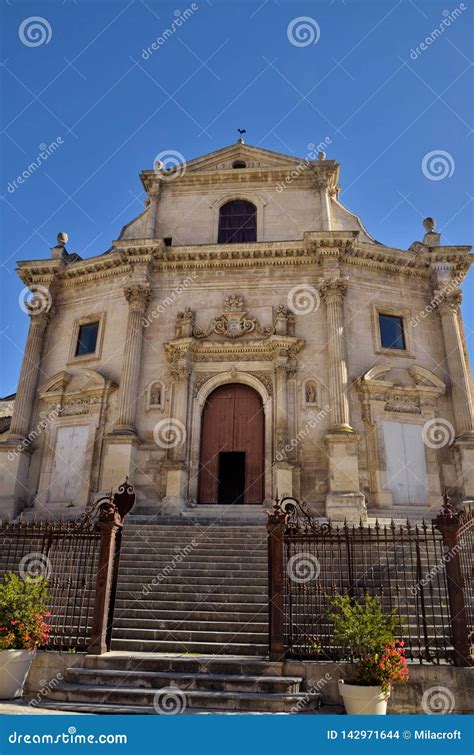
x=359 y=700
x=14 y=667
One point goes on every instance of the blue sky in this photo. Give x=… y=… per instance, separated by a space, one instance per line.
x=111 y=109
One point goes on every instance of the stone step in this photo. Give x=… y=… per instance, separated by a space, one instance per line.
x=191 y=624
x=141 y=573
x=234 y=592
x=236 y=701
x=143 y=661
x=159 y=603
x=105 y=709
x=216 y=547
x=189 y=532
x=193 y=635
x=185 y=681
x=233 y=579
x=167 y=646
x=197 y=614
x=194 y=560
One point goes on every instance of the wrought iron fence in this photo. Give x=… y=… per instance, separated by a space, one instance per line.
x=80 y=560
x=421 y=571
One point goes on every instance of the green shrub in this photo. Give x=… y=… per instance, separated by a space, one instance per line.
x=23 y=612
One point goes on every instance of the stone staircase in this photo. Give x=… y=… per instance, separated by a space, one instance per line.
x=121 y=683
x=192 y=589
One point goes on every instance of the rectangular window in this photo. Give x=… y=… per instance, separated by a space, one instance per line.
x=391 y=332
x=87 y=339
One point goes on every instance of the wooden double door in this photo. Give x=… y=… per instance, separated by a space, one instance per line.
x=232 y=447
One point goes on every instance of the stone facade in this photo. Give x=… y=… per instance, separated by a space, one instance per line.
x=349 y=424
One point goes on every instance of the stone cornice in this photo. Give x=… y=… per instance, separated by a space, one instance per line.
x=233 y=351
x=312 y=250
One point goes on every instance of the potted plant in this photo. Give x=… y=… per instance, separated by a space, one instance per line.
x=366 y=633
x=23 y=628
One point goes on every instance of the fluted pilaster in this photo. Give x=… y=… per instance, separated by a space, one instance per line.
x=332 y=292
x=458 y=370
x=137 y=297
x=25 y=394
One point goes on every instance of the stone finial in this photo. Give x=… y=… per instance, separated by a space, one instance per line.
x=321 y=155
x=58 y=251
x=430 y=238
x=429 y=224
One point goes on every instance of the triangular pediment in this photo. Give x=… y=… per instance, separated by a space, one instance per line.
x=254 y=157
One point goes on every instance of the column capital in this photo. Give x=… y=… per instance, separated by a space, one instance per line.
x=41 y=319
x=137 y=295
x=449 y=299
x=333 y=289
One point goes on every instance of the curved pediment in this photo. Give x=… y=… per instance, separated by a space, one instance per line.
x=377 y=372
x=425 y=377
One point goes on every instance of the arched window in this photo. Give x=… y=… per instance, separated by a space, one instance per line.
x=237 y=222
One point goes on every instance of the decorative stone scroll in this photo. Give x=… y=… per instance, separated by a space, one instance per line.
x=234 y=322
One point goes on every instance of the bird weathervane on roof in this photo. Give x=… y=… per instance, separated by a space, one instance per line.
x=241 y=131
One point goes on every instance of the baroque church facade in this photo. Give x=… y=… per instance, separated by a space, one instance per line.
x=244 y=338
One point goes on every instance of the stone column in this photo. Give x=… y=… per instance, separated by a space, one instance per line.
x=25 y=395
x=175 y=430
x=344 y=501
x=332 y=292
x=137 y=296
x=463 y=407
x=282 y=468
x=120 y=446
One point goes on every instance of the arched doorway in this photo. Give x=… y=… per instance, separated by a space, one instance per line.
x=232 y=446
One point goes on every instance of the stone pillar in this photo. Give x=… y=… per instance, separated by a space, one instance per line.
x=461 y=393
x=344 y=501
x=282 y=469
x=463 y=406
x=15 y=453
x=137 y=296
x=333 y=292
x=175 y=433
x=120 y=447
x=25 y=395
